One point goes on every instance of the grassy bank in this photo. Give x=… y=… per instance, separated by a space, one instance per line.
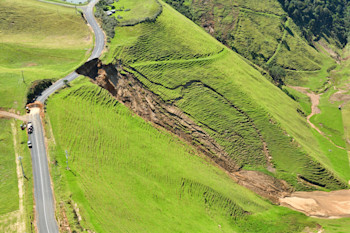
x=232 y=101
x=8 y=184
x=37 y=41
x=12 y=218
x=126 y=175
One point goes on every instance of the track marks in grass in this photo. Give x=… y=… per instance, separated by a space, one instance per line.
x=116 y=150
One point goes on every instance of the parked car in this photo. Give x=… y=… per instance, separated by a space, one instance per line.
x=30 y=127
x=29 y=144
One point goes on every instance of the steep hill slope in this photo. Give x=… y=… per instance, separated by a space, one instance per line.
x=126 y=175
x=37 y=41
x=262 y=32
x=255 y=122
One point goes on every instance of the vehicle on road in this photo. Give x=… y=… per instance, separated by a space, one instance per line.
x=29 y=144
x=30 y=127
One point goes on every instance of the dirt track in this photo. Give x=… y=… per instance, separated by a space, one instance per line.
x=315 y=100
x=319 y=204
x=4 y=114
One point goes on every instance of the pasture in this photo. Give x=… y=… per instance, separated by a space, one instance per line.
x=126 y=175
x=38 y=41
x=232 y=101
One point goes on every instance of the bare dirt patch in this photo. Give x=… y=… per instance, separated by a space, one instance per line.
x=335 y=204
x=315 y=100
x=341 y=95
x=127 y=89
x=29 y=64
x=4 y=114
x=330 y=51
x=262 y=184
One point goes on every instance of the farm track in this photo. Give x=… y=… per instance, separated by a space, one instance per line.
x=5 y=114
x=315 y=99
x=259 y=12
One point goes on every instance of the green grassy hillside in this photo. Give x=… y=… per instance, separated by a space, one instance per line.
x=261 y=32
x=127 y=176
x=37 y=41
x=232 y=101
x=8 y=184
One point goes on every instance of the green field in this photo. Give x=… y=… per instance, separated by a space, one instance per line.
x=10 y=214
x=133 y=11
x=8 y=184
x=126 y=175
x=38 y=41
x=237 y=106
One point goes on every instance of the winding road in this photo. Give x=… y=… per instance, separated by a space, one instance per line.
x=44 y=201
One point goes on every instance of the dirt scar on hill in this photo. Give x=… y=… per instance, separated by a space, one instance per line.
x=331 y=205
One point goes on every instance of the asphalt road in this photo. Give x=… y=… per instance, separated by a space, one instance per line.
x=45 y=210
x=44 y=202
x=99 y=45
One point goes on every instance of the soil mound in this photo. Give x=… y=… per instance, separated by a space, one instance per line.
x=335 y=204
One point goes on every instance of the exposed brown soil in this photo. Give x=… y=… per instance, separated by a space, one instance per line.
x=341 y=95
x=63 y=221
x=330 y=51
x=127 y=89
x=29 y=64
x=315 y=100
x=334 y=204
x=4 y=114
x=319 y=204
x=263 y=184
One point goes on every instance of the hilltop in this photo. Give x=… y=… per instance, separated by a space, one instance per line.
x=213 y=85
x=271 y=35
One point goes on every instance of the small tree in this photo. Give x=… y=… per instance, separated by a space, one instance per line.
x=277 y=73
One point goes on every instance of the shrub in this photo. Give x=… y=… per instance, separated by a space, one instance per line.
x=36 y=88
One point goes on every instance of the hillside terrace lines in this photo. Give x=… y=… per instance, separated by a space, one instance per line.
x=259 y=12
x=211 y=57
x=250 y=121
x=280 y=44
